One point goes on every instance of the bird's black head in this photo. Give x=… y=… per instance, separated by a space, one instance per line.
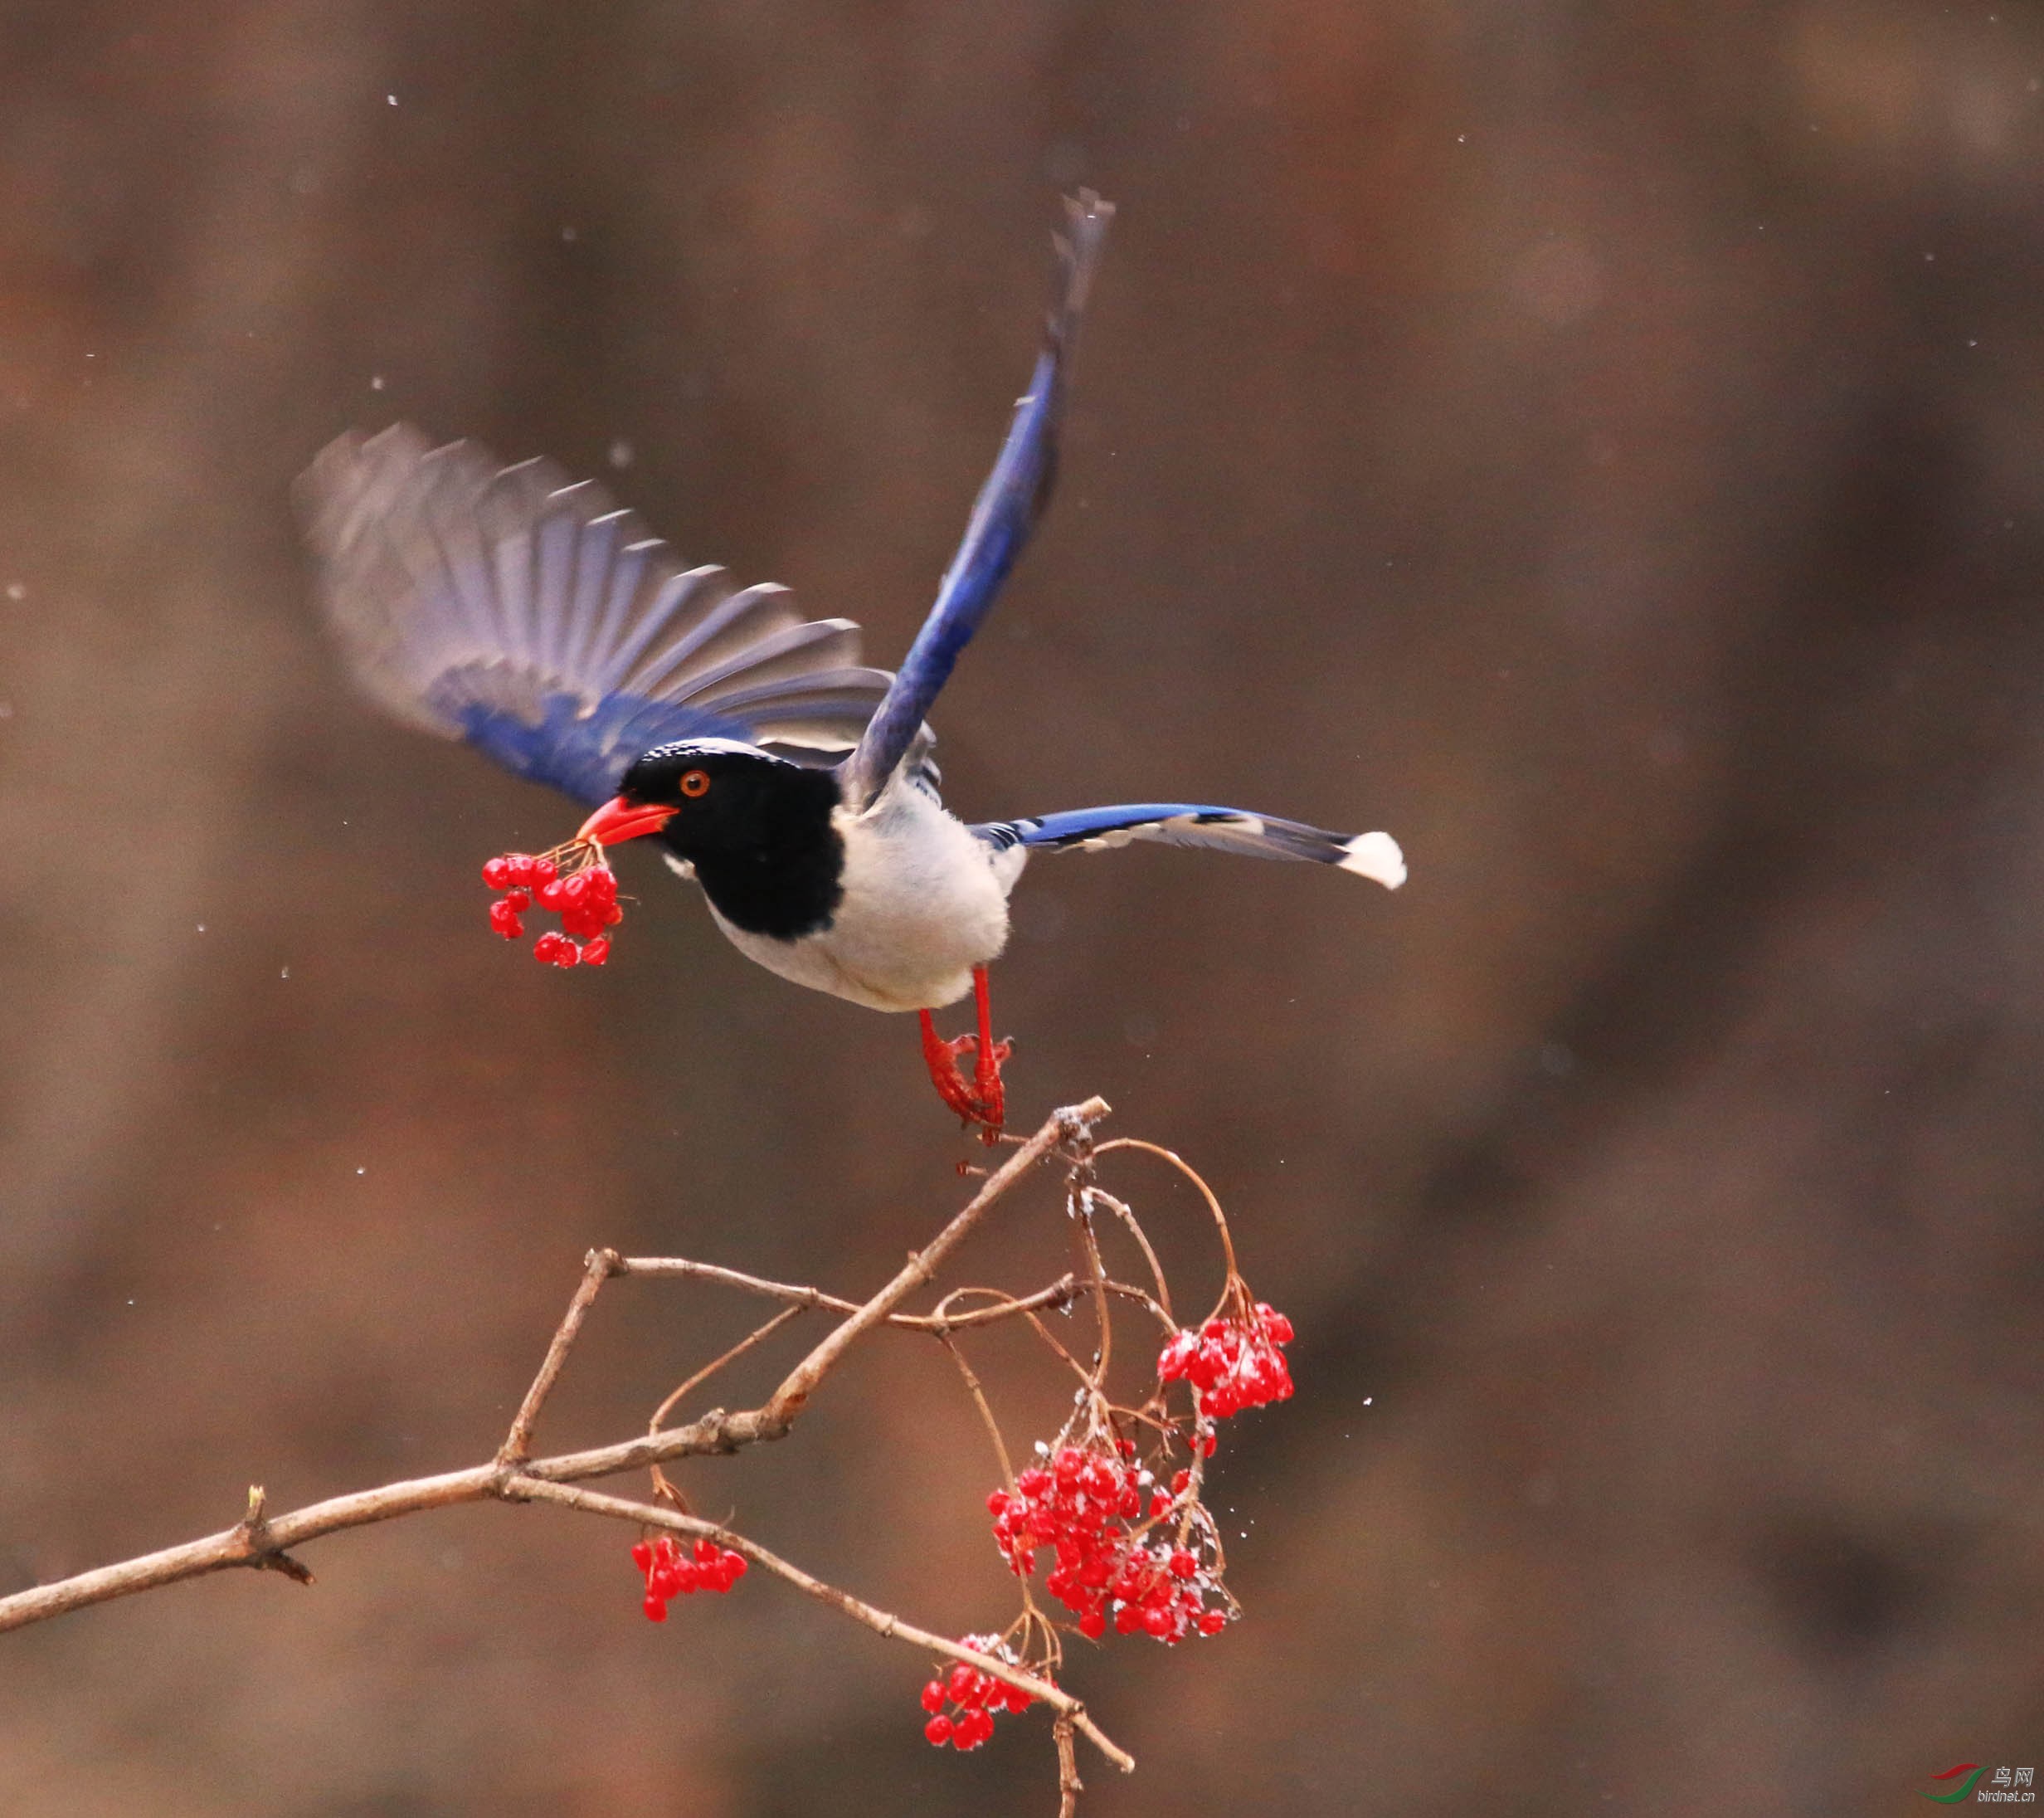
x=756 y=828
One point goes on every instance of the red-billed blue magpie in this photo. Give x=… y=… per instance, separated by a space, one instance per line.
x=532 y=618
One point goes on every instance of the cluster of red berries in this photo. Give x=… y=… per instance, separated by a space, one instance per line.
x=585 y=900
x=1234 y=1363
x=977 y=1698
x=1161 y=1591
x=1080 y=1503
x=671 y=1573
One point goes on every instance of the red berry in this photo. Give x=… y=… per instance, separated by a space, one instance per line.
x=1213 y=1621
x=1092 y=1624
x=938 y=1731
x=642 y=1557
x=655 y=1608
x=595 y=952
x=497 y=873
x=933 y=1695
x=544 y=871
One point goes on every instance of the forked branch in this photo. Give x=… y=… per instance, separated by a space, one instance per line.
x=1170 y=1585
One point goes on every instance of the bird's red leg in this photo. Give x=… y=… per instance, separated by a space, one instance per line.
x=987 y=1071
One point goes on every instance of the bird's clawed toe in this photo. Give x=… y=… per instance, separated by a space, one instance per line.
x=982 y=1101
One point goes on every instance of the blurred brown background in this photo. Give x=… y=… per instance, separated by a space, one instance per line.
x=1602 y=446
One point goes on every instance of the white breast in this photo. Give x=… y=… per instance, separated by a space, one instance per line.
x=924 y=902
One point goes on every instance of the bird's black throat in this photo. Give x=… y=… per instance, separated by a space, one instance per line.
x=764 y=849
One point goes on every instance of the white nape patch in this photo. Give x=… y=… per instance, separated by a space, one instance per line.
x=1375 y=855
x=729 y=747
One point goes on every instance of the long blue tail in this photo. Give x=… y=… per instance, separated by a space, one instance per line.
x=1373 y=856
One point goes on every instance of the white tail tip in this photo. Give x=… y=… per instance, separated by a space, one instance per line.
x=1376 y=856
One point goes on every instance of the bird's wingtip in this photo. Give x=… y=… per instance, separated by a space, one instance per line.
x=1376 y=857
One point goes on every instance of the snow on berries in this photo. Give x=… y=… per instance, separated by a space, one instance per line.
x=572 y=882
x=671 y=1573
x=963 y=1702
x=1093 y=1509
x=1234 y=1361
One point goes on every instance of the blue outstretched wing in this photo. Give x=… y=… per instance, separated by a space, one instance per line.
x=1010 y=503
x=535 y=621
x=1188 y=823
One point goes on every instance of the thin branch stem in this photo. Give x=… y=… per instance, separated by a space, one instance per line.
x=734 y=1278
x=1127 y=1216
x=709 y=1370
x=1192 y=1174
x=1097 y=1279
x=1059 y=1294
x=986 y=1417
x=597 y=1268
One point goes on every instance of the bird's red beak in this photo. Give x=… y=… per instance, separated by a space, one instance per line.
x=618 y=819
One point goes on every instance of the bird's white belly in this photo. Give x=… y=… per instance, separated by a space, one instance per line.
x=924 y=902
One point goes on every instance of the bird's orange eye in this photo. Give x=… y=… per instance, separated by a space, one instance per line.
x=694 y=783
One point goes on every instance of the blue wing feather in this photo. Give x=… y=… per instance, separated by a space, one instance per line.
x=533 y=620
x=1009 y=502
x=581 y=754
x=1199 y=824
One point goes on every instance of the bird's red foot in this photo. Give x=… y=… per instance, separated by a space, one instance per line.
x=984 y=1101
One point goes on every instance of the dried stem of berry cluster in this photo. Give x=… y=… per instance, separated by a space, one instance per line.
x=1192 y=1174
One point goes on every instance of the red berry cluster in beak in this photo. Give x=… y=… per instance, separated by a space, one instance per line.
x=671 y=1573
x=975 y=1698
x=1083 y=1504
x=575 y=884
x=1234 y=1362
